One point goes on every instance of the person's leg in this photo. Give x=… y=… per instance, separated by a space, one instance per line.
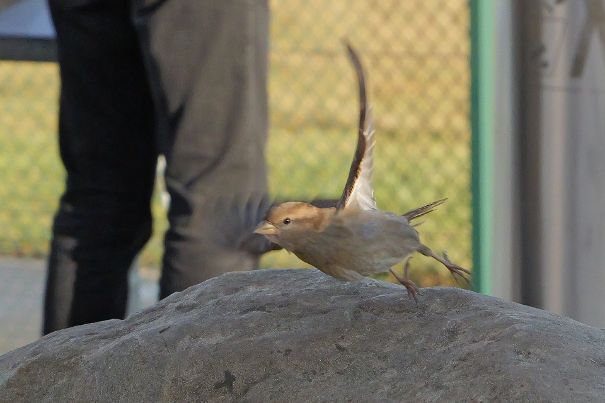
x=207 y=62
x=106 y=143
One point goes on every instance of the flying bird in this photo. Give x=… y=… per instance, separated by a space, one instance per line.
x=354 y=239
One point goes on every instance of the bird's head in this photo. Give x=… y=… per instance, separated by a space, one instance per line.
x=288 y=222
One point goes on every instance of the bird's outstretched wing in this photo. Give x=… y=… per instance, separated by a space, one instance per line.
x=358 y=192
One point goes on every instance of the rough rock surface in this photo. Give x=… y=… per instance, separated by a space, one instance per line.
x=298 y=335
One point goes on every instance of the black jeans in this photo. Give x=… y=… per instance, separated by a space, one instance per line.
x=186 y=79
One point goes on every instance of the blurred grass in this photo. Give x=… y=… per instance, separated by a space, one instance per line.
x=416 y=54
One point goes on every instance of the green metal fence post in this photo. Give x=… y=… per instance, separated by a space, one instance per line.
x=482 y=109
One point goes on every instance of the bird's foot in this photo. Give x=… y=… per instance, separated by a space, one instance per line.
x=409 y=286
x=455 y=270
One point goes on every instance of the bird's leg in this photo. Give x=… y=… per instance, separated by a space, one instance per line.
x=408 y=284
x=406 y=273
x=406 y=269
x=453 y=268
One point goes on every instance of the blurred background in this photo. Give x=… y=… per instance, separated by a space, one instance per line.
x=496 y=105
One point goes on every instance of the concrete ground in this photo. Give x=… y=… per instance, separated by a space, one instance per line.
x=21 y=293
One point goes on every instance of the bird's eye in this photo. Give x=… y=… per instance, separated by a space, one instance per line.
x=287 y=221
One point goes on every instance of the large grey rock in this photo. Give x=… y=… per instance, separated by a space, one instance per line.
x=298 y=335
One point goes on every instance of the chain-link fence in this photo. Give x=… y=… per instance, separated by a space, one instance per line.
x=416 y=53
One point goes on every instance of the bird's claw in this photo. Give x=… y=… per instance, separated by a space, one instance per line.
x=409 y=285
x=412 y=291
x=456 y=270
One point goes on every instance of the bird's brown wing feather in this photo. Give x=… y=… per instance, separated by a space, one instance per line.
x=358 y=192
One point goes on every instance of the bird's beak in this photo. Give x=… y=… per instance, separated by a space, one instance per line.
x=266 y=228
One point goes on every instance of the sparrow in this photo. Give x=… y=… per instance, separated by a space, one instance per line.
x=354 y=239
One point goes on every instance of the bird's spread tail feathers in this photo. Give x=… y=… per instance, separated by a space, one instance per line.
x=420 y=211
